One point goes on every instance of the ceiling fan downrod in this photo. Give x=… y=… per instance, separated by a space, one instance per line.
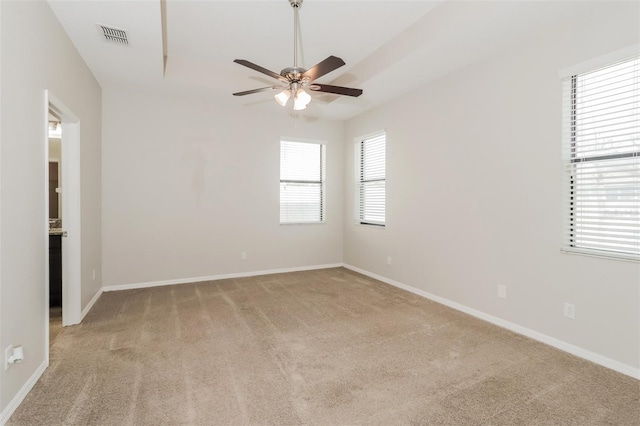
x=296 y=5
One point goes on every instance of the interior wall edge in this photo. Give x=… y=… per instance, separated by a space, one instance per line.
x=516 y=328
x=24 y=391
x=191 y=280
x=1 y=341
x=92 y=302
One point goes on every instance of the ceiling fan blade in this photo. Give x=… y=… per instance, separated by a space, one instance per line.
x=338 y=90
x=324 y=67
x=260 y=69
x=250 y=92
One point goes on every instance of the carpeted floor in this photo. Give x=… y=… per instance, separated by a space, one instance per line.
x=55 y=323
x=327 y=347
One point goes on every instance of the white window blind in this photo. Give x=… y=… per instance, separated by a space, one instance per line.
x=302 y=191
x=372 y=180
x=601 y=112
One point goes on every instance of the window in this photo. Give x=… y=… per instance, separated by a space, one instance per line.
x=302 y=175
x=602 y=160
x=371 y=178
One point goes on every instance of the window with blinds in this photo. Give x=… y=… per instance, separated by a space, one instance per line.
x=302 y=187
x=602 y=161
x=371 y=152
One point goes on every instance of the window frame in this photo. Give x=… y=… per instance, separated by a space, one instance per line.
x=572 y=159
x=359 y=179
x=321 y=182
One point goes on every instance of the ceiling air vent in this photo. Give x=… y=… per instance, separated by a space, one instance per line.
x=113 y=35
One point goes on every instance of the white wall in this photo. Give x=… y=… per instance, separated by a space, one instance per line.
x=474 y=193
x=36 y=56
x=188 y=185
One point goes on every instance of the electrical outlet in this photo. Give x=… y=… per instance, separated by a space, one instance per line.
x=502 y=292
x=243 y=255
x=388 y=260
x=570 y=310
x=7 y=354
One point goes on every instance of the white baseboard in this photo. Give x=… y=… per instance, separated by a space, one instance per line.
x=535 y=335
x=87 y=308
x=217 y=277
x=26 y=388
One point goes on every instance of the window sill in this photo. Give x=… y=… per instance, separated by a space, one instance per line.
x=370 y=225
x=601 y=254
x=302 y=223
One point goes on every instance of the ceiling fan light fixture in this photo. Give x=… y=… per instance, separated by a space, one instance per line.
x=295 y=78
x=301 y=100
x=283 y=97
x=303 y=96
x=298 y=104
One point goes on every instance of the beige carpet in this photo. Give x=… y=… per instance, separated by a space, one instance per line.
x=55 y=324
x=328 y=347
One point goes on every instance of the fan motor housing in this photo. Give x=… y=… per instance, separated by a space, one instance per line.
x=293 y=73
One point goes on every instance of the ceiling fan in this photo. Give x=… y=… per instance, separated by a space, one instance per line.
x=295 y=79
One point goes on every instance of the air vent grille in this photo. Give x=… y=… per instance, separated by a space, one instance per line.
x=113 y=35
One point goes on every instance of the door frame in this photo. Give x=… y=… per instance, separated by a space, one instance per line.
x=71 y=212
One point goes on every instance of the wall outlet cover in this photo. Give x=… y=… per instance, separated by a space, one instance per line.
x=502 y=292
x=570 y=310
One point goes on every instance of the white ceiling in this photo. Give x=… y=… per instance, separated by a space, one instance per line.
x=390 y=47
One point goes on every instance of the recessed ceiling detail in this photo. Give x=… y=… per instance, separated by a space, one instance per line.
x=113 y=35
x=391 y=47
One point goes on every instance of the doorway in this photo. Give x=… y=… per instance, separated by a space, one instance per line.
x=65 y=293
x=55 y=225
